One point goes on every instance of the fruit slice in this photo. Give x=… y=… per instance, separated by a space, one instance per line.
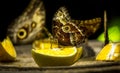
x=44 y=44
x=110 y=52
x=7 y=50
x=55 y=56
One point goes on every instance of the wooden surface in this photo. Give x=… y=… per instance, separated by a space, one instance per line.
x=25 y=63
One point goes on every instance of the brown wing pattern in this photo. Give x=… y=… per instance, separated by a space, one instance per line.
x=29 y=25
x=88 y=27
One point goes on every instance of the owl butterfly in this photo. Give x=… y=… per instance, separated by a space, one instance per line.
x=29 y=25
x=72 y=32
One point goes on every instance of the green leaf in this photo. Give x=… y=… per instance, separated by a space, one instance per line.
x=113 y=32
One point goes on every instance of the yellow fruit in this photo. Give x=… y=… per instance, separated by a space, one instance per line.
x=7 y=50
x=55 y=56
x=44 y=44
x=110 y=52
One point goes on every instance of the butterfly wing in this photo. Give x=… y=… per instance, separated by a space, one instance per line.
x=28 y=26
x=88 y=27
x=64 y=30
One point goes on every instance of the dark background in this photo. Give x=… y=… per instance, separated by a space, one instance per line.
x=78 y=9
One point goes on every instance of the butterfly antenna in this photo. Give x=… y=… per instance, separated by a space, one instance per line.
x=48 y=33
x=105 y=29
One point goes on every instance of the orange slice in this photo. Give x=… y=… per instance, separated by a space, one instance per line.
x=7 y=50
x=110 y=52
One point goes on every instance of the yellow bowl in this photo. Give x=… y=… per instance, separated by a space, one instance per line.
x=47 y=56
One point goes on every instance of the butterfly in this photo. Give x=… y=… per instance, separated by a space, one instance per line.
x=72 y=32
x=29 y=25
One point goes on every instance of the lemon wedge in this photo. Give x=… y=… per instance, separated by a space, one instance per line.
x=110 y=52
x=47 y=56
x=7 y=50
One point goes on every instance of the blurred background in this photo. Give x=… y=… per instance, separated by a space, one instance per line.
x=78 y=9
